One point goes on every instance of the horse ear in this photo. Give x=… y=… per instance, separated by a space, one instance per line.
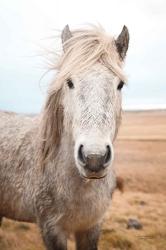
x=52 y=127
x=122 y=42
x=66 y=35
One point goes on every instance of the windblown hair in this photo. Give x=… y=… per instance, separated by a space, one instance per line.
x=51 y=128
x=85 y=48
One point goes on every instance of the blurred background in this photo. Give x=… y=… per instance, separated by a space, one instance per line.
x=28 y=27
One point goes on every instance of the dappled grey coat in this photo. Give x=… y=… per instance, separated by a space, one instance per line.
x=41 y=178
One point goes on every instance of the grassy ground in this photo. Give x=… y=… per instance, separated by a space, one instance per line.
x=141 y=161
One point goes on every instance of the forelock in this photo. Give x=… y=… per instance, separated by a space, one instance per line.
x=84 y=49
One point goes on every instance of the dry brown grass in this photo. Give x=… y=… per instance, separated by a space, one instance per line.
x=141 y=161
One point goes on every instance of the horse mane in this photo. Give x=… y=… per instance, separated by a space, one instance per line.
x=51 y=127
x=84 y=49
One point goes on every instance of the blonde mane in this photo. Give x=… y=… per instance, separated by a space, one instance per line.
x=85 y=48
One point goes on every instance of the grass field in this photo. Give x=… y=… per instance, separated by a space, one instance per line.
x=141 y=161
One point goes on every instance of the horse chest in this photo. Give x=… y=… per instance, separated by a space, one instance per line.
x=85 y=209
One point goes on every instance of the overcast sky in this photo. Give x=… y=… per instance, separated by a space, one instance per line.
x=26 y=25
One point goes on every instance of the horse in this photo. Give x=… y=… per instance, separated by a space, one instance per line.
x=56 y=168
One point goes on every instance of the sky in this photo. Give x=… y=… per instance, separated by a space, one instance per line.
x=28 y=30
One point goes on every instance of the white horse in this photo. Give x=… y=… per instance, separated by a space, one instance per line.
x=56 y=169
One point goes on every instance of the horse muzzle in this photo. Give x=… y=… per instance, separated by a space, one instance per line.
x=94 y=165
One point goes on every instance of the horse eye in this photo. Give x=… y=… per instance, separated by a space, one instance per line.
x=120 y=85
x=70 y=84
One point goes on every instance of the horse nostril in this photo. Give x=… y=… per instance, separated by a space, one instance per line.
x=81 y=155
x=94 y=162
x=107 y=156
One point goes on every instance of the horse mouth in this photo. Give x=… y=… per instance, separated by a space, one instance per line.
x=93 y=177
